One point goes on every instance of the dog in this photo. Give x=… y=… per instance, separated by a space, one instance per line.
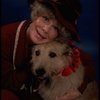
x=50 y=63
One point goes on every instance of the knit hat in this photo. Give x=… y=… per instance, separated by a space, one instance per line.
x=66 y=12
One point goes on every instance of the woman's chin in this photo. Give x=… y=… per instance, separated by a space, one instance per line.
x=41 y=42
x=36 y=41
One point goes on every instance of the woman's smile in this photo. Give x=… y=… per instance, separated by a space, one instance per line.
x=41 y=33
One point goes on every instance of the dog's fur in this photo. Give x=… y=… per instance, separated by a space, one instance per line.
x=52 y=57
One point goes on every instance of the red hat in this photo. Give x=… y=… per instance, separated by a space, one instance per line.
x=67 y=13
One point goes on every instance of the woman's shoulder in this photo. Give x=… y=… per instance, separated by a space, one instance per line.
x=13 y=24
x=12 y=27
x=9 y=27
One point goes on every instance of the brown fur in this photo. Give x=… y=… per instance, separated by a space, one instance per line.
x=57 y=85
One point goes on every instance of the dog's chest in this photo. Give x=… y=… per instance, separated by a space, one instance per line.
x=56 y=88
x=61 y=85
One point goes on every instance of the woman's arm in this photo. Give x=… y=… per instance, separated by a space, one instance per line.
x=72 y=95
x=10 y=78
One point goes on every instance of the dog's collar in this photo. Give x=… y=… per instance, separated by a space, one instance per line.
x=75 y=63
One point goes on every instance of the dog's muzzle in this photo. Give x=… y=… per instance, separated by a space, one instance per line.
x=40 y=72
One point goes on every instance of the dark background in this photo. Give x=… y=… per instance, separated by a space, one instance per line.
x=17 y=10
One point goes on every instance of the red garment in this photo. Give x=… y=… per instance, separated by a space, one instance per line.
x=11 y=78
x=8 y=95
x=90 y=69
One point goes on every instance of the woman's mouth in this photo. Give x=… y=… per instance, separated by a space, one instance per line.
x=41 y=34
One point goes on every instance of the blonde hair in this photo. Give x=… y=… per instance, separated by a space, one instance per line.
x=38 y=9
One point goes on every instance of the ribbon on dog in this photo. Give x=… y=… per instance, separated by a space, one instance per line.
x=75 y=63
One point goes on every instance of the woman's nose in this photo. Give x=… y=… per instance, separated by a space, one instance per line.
x=46 y=28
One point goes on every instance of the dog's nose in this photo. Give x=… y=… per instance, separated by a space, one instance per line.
x=40 y=72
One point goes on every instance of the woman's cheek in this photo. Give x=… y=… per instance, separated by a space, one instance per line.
x=53 y=36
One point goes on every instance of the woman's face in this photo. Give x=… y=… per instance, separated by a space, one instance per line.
x=42 y=30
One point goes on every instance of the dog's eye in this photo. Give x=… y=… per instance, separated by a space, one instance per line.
x=52 y=54
x=37 y=53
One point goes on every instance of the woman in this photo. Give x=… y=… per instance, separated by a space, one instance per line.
x=48 y=21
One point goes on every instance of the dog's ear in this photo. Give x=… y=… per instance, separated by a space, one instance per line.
x=33 y=49
x=67 y=52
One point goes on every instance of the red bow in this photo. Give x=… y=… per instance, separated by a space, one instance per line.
x=75 y=63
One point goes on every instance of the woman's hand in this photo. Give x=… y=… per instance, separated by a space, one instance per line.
x=72 y=95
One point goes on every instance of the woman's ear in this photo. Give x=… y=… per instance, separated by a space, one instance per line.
x=31 y=6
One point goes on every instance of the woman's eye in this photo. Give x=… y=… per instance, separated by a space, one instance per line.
x=56 y=28
x=45 y=18
x=37 y=53
x=52 y=54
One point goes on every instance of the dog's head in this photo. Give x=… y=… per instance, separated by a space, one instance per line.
x=50 y=58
